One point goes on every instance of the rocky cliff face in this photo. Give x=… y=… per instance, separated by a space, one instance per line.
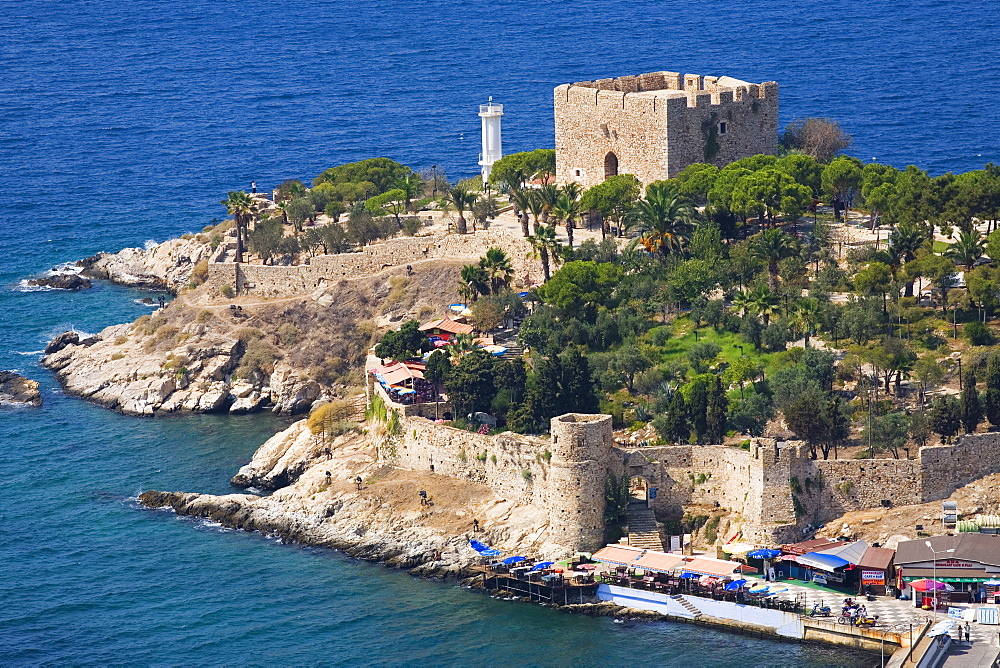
x=383 y=521
x=165 y=266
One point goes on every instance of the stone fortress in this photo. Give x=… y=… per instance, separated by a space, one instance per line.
x=772 y=491
x=654 y=125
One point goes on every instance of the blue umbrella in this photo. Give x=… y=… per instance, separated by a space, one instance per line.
x=689 y=576
x=734 y=585
x=764 y=554
x=542 y=564
x=513 y=560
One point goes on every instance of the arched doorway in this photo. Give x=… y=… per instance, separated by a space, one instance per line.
x=638 y=489
x=610 y=165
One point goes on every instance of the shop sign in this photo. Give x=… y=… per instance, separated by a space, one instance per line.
x=873 y=577
x=955 y=563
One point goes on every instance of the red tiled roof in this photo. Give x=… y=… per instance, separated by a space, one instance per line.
x=447 y=325
x=878 y=558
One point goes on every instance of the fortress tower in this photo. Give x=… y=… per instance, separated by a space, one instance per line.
x=581 y=449
x=654 y=125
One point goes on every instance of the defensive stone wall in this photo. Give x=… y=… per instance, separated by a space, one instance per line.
x=945 y=468
x=327 y=270
x=654 y=125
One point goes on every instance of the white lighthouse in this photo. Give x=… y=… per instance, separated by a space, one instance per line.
x=492 y=147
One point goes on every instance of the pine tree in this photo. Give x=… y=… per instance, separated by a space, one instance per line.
x=716 y=409
x=944 y=417
x=697 y=406
x=673 y=425
x=992 y=395
x=971 y=408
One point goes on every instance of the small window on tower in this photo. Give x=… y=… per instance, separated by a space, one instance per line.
x=723 y=127
x=579 y=172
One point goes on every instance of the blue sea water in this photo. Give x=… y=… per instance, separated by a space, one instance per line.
x=124 y=122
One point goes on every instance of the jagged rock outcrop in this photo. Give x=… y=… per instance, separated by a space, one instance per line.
x=165 y=266
x=17 y=390
x=383 y=521
x=72 y=282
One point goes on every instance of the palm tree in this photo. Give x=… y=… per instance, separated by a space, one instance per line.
x=536 y=206
x=904 y=241
x=967 y=249
x=664 y=217
x=567 y=209
x=242 y=208
x=549 y=196
x=743 y=302
x=499 y=271
x=461 y=199
x=412 y=185
x=546 y=246
x=807 y=317
x=772 y=246
x=763 y=302
x=460 y=345
x=474 y=281
x=519 y=198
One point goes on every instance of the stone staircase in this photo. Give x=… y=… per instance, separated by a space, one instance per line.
x=642 y=531
x=513 y=351
x=687 y=605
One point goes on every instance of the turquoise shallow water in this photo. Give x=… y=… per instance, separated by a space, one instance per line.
x=122 y=122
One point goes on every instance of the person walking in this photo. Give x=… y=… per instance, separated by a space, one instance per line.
x=968 y=634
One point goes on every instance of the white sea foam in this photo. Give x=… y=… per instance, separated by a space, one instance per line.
x=29 y=353
x=151 y=304
x=22 y=286
x=150 y=244
x=64 y=268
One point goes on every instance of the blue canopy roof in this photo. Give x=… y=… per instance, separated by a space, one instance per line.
x=513 y=560
x=734 y=585
x=542 y=564
x=824 y=562
x=484 y=550
x=690 y=575
x=764 y=554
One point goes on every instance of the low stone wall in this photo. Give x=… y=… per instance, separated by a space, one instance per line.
x=945 y=468
x=326 y=270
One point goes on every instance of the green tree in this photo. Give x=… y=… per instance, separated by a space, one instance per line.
x=928 y=373
x=696 y=399
x=716 y=409
x=412 y=185
x=521 y=200
x=567 y=209
x=804 y=169
x=381 y=173
x=875 y=280
x=243 y=209
x=945 y=417
x=971 y=410
x=991 y=395
x=771 y=246
x=664 y=218
x=265 y=239
x=613 y=199
x=967 y=249
x=580 y=286
x=474 y=281
x=807 y=415
x=673 y=426
x=750 y=414
x=438 y=366
x=905 y=239
x=696 y=180
x=515 y=169
x=842 y=180
x=498 y=268
x=299 y=210
x=702 y=355
x=628 y=361
x=470 y=382
x=461 y=200
x=889 y=432
x=406 y=342
x=547 y=247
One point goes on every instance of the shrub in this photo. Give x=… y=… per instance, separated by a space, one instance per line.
x=526 y=474
x=493 y=458
x=199 y=274
x=481 y=457
x=119 y=340
x=227 y=291
x=712 y=529
x=288 y=334
x=411 y=225
x=204 y=316
x=978 y=334
x=258 y=356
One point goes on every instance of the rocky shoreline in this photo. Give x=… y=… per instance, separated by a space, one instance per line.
x=16 y=390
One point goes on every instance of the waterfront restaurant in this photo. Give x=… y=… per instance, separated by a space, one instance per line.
x=969 y=562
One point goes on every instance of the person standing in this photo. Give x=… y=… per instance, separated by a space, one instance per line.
x=968 y=634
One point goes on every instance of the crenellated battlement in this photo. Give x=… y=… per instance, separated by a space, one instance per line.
x=653 y=125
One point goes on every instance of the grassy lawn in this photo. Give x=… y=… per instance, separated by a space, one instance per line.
x=940 y=246
x=684 y=338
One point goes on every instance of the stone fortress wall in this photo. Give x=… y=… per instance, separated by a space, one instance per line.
x=654 y=125
x=774 y=488
x=327 y=270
